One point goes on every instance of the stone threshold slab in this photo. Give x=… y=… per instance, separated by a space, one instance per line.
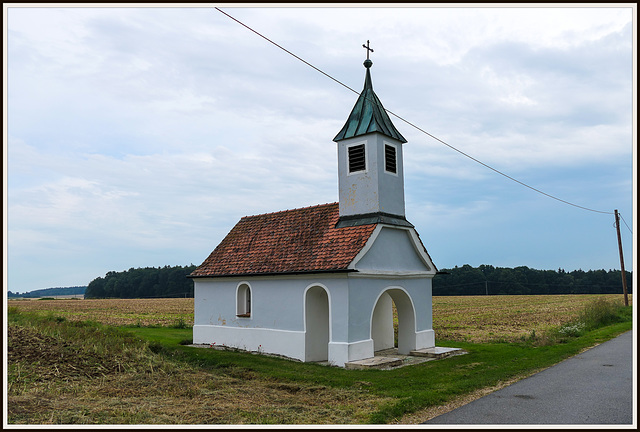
x=377 y=362
x=437 y=352
x=387 y=361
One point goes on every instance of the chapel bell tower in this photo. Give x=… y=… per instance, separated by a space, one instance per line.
x=370 y=169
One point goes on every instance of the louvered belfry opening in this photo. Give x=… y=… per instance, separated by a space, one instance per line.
x=357 y=160
x=390 y=158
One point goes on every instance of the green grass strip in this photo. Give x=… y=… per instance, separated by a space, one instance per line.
x=413 y=387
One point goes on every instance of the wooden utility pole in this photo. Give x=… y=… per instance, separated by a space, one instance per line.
x=624 y=275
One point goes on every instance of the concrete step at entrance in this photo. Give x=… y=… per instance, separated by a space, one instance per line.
x=377 y=362
x=437 y=352
x=389 y=358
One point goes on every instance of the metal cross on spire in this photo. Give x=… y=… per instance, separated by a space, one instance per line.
x=367 y=48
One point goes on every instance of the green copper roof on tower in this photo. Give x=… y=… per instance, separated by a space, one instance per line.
x=368 y=115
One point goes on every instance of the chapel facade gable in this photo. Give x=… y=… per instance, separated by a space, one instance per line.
x=394 y=250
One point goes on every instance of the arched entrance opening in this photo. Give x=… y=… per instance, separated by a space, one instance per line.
x=316 y=311
x=382 y=326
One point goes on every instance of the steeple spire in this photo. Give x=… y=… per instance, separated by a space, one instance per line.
x=368 y=115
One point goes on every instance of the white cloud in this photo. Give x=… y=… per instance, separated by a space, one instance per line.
x=139 y=136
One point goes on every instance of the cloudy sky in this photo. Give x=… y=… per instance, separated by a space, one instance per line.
x=139 y=136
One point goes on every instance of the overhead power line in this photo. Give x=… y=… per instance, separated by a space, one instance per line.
x=286 y=50
x=417 y=127
x=625 y=222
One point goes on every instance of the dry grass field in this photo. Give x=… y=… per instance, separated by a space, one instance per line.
x=143 y=312
x=62 y=372
x=458 y=318
x=480 y=319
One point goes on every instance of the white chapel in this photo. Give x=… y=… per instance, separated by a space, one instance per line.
x=318 y=283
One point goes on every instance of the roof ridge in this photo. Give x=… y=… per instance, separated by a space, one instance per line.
x=290 y=210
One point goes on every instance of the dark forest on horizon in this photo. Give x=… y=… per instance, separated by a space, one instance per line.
x=172 y=281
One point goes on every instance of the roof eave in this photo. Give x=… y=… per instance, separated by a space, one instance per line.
x=289 y=273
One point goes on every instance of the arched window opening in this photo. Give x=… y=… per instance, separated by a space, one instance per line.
x=243 y=301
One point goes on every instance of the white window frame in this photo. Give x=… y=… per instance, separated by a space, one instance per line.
x=366 y=158
x=384 y=155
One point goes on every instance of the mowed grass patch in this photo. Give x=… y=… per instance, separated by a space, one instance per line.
x=73 y=372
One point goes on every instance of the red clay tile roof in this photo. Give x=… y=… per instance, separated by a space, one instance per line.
x=291 y=241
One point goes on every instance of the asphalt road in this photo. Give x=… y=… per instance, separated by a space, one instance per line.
x=594 y=387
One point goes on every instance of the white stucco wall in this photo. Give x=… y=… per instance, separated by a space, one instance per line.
x=280 y=316
x=394 y=250
x=277 y=323
x=374 y=190
x=276 y=300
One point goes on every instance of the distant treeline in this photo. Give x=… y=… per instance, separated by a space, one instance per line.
x=49 y=292
x=490 y=280
x=148 y=282
x=167 y=281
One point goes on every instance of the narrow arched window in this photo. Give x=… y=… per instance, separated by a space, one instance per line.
x=243 y=301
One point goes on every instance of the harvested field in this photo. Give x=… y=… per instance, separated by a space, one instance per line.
x=481 y=319
x=142 y=312
x=457 y=318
